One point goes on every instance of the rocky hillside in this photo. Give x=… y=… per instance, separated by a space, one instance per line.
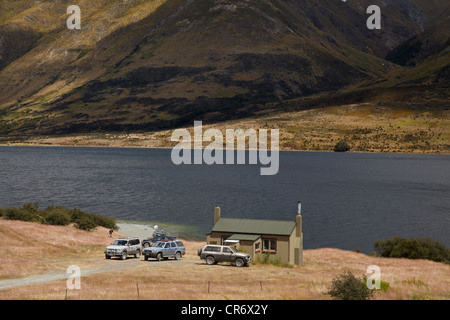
x=144 y=65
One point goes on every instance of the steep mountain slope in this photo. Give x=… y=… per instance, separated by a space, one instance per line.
x=146 y=65
x=423 y=45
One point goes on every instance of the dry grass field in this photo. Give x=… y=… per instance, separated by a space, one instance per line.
x=366 y=127
x=31 y=249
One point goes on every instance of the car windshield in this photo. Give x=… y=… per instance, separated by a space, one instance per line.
x=120 y=242
x=159 y=244
x=234 y=250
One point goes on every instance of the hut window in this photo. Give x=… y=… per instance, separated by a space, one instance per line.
x=270 y=245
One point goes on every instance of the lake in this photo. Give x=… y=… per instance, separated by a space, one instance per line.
x=349 y=200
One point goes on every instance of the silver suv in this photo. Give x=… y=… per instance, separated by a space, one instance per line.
x=124 y=247
x=215 y=253
x=165 y=250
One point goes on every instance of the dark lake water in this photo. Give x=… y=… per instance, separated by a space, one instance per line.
x=348 y=199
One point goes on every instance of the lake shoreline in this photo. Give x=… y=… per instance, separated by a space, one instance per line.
x=145 y=229
x=168 y=148
x=365 y=127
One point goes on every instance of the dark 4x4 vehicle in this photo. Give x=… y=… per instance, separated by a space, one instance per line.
x=157 y=236
x=164 y=250
x=214 y=254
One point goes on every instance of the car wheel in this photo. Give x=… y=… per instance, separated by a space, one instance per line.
x=146 y=258
x=137 y=254
x=159 y=256
x=146 y=245
x=239 y=262
x=107 y=256
x=124 y=256
x=177 y=256
x=210 y=260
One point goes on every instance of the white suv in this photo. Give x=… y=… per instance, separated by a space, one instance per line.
x=124 y=247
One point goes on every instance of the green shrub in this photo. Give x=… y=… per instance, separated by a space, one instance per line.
x=28 y=212
x=58 y=216
x=347 y=287
x=85 y=223
x=14 y=213
x=31 y=208
x=384 y=286
x=267 y=258
x=418 y=248
x=341 y=146
x=103 y=221
x=262 y=258
x=77 y=215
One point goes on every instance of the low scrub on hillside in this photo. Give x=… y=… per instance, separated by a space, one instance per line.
x=419 y=248
x=58 y=216
x=342 y=146
x=266 y=258
x=348 y=287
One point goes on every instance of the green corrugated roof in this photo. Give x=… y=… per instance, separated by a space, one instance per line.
x=240 y=236
x=254 y=226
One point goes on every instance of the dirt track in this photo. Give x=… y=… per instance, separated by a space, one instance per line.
x=103 y=265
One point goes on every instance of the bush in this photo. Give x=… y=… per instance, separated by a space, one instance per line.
x=16 y=214
x=58 y=216
x=85 y=223
x=103 y=221
x=341 y=146
x=77 y=215
x=384 y=286
x=419 y=248
x=28 y=212
x=347 y=287
x=267 y=258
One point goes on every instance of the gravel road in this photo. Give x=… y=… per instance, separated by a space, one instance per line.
x=142 y=231
x=105 y=266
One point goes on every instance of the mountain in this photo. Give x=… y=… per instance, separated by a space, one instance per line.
x=143 y=65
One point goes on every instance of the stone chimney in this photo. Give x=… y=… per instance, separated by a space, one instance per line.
x=298 y=248
x=216 y=214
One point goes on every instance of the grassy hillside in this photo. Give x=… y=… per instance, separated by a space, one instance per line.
x=30 y=248
x=367 y=127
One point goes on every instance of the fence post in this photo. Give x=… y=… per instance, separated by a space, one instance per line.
x=208 y=286
x=137 y=288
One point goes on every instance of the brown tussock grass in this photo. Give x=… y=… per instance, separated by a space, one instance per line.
x=366 y=127
x=29 y=248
